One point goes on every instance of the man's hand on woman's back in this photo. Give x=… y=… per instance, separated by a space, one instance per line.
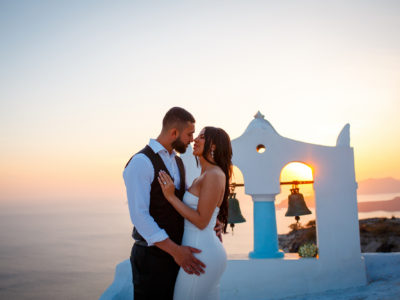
x=188 y=262
x=183 y=256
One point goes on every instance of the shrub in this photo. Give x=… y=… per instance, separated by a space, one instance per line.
x=308 y=250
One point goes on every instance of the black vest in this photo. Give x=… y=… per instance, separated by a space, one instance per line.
x=163 y=213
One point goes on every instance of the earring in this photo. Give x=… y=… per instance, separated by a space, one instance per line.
x=212 y=154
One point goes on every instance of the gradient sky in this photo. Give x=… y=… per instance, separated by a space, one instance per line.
x=85 y=84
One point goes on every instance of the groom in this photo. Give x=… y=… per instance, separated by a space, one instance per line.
x=158 y=229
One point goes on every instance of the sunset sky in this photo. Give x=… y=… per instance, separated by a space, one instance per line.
x=83 y=86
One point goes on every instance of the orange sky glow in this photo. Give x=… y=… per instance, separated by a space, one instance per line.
x=83 y=87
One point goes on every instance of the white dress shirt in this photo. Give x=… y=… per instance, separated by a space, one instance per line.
x=138 y=176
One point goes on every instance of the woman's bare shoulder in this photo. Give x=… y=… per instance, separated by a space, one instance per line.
x=215 y=173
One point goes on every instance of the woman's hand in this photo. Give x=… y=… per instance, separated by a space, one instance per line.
x=167 y=185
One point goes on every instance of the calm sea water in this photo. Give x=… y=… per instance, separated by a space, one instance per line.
x=69 y=251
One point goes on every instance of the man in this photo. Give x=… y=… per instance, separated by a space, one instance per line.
x=158 y=229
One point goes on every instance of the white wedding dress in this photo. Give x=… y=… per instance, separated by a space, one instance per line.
x=213 y=255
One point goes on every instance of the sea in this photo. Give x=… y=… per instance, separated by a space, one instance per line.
x=69 y=249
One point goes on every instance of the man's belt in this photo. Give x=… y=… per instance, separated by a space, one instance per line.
x=139 y=240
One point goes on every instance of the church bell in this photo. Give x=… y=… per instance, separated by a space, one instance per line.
x=234 y=213
x=297 y=206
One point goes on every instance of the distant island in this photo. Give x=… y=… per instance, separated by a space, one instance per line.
x=379 y=186
x=389 y=205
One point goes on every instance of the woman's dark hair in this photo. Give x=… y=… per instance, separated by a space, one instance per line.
x=223 y=159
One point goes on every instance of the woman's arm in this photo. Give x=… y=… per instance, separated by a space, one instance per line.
x=211 y=189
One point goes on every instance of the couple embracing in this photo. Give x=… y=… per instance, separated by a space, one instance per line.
x=178 y=251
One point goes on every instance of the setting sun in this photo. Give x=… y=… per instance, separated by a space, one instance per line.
x=296 y=171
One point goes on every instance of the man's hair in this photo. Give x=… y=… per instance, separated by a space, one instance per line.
x=177 y=117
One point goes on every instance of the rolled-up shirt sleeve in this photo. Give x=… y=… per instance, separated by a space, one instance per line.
x=138 y=176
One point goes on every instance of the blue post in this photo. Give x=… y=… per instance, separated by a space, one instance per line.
x=265 y=232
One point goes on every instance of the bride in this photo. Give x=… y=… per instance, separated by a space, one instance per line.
x=204 y=202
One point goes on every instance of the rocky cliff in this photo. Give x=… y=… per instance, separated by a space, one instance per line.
x=376 y=235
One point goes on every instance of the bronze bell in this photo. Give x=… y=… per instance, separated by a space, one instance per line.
x=234 y=213
x=297 y=206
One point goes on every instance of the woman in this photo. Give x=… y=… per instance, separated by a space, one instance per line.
x=205 y=200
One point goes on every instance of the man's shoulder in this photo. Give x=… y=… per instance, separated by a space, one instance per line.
x=139 y=161
x=140 y=158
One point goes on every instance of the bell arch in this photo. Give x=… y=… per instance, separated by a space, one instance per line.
x=288 y=205
x=335 y=189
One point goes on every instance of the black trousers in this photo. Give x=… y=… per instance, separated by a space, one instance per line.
x=154 y=273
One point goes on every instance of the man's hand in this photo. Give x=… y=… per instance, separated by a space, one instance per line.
x=184 y=257
x=218 y=229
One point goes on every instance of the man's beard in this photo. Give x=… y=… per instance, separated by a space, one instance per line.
x=178 y=145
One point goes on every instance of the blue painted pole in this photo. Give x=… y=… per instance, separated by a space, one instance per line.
x=265 y=231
